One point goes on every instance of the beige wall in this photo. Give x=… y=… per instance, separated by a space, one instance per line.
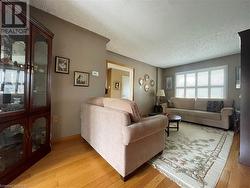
x=87 y=52
x=159 y=79
x=232 y=61
x=145 y=100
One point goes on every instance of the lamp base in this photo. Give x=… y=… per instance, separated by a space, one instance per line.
x=158 y=109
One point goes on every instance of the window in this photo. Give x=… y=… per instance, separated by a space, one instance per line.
x=205 y=83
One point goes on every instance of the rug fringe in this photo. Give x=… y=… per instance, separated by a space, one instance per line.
x=171 y=177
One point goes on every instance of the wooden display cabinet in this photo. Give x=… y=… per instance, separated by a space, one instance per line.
x=24 y=99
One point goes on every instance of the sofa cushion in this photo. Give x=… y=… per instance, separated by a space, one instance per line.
x=207 y=115
x=177 y=111
x=183 y=103
x=215 y=106
x=194 y=113
x=200 y=104
x=124 y=105
x=98 y=101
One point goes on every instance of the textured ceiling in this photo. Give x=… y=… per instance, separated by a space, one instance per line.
x=162 y=33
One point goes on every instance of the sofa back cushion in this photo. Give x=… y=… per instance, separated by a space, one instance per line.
x=183 y=103
x=200 y=104
x=124 y=105
x=98 y=101
x=215 y=106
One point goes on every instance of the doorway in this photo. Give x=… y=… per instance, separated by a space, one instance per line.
x=120 y=81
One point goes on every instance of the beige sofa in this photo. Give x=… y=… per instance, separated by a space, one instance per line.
x=195 y=110
x=114 y=128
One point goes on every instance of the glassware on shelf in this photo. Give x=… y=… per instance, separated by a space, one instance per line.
x=11 y=146
x=38 y=133
x=12 y=75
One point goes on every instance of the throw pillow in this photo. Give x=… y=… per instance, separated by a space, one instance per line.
x=170 y=104
x=215 y=106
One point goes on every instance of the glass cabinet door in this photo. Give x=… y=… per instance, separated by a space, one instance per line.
x=11 y=146
x=12 y=73
x=39 y=133
x=40 y=71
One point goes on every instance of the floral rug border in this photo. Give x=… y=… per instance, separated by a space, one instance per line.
x=199 y=177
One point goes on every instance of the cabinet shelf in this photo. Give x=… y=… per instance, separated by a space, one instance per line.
x=12 y=67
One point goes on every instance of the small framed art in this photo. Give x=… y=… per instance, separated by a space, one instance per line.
x=141 y=81
x=62 y=65
x=81 y=79
x=146 y=77
x=146 y=88
x=117 y=85
x=169 y=83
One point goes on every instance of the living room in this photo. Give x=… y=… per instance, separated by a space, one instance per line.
x=181 y=66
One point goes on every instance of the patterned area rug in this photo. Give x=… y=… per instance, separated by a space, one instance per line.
x=195 y=155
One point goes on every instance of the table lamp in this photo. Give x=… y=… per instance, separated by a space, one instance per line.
x=160 y=93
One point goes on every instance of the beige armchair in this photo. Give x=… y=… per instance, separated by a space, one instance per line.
x=109 y=126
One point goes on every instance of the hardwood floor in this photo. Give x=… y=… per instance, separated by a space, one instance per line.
x=73 y=163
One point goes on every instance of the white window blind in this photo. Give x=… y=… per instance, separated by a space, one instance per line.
x=204 y=83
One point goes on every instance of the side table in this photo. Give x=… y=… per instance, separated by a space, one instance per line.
x=172 y=119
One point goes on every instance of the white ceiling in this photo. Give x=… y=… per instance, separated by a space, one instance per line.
x=162 y=33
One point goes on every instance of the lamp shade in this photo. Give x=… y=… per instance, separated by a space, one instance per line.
x=160 y=93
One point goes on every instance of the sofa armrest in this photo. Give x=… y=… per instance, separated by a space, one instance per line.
x=144 y=128
x=103 y=123
x=226 y=112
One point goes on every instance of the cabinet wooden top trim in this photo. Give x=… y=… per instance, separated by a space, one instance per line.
x=41 y=27
x=244 y=33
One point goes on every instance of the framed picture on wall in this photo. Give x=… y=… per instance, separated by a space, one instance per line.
x=81 y=79
x=146 y=88
x=169 y=83
x=62 y=65
x=117 y=85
